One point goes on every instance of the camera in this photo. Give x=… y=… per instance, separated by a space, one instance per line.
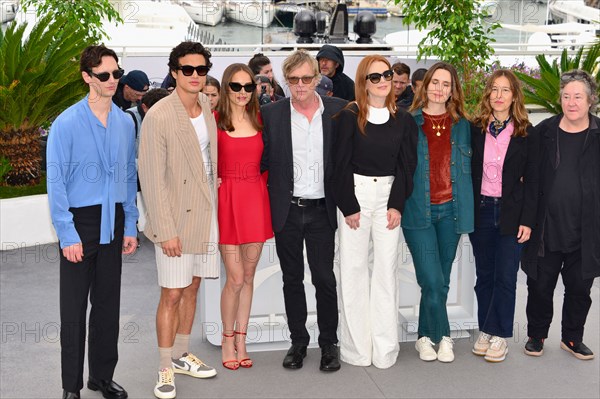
x=264 y=98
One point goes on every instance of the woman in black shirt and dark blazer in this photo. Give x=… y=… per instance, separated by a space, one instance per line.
x=375 y=159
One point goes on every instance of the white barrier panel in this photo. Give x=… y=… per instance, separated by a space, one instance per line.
x=268 y=325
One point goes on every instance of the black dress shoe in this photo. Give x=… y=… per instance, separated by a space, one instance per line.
x=294 y=357
x=109 y=389
x=330 y=358
x=71 y=395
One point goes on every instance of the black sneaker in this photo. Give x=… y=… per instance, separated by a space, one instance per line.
x=578 y=349
x=534 y=347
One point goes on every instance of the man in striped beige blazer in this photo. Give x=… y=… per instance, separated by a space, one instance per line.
x=177 y=169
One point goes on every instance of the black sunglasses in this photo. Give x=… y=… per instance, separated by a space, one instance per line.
x=104 y=76
x=305 y=79
x=375 y=77
x=248 y=87
x=188 y=70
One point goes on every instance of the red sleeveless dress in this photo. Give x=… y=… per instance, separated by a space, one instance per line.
x=244 y=211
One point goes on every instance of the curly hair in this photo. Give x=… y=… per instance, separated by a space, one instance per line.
x=185 y=48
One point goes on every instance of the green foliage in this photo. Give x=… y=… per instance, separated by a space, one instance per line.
x=458 y=34
x=4 y=168
x=545 y=90
x=89 y=14
x=39 y=78
x=22 y=191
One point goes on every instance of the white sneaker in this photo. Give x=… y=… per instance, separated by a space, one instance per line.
x=425 y=348
x=192 y=366
x=482 y=344
x=165 y=386
x=445 y=353
x=497 y=350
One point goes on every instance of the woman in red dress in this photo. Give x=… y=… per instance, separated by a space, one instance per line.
x=244 y=212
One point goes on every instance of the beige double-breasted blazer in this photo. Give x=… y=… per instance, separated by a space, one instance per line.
x=172 y=174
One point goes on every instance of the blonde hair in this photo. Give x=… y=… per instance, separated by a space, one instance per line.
x=296 y=60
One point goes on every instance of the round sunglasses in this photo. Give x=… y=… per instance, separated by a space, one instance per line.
x=375 y=77
x=248 y=87
x=188 y=70
x=104 y=76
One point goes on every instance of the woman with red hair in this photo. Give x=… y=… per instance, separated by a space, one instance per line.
x=374 y=164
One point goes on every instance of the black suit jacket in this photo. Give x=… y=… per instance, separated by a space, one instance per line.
x=278 y=156
x=519 y=179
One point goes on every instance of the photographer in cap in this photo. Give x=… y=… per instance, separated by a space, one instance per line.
x=266 y=92
x=131 y=89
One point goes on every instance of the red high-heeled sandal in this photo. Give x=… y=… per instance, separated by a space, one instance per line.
x=233 y=364
x=246 y=362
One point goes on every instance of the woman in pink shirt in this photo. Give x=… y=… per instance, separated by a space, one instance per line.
x=504 y=173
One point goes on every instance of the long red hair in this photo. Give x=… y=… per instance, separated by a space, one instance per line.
x=361 y=95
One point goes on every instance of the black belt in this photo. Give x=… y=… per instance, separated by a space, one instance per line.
x=491 y=199
x=306 y=202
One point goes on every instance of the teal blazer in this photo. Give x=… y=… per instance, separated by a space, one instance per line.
x=417 y=211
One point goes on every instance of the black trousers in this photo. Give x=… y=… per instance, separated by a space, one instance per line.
x=310 y=225
x=99 y=277
x=577 y=299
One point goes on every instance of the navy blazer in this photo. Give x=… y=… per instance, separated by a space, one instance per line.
x=278 y=157
x=519 y=179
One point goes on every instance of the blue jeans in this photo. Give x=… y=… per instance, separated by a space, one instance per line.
x=496 y=264
x=433 y=250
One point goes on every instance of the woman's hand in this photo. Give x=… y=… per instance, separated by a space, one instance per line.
x=393 y=217
x=524 y=234
x=353 y=221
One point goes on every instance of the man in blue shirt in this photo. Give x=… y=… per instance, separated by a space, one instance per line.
x=91 y=190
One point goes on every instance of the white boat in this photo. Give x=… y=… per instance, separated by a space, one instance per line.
x=377 y=7
x=205 y=12
x=394 y=9
x=153 y=23
x=8 y=10
x=250 y=12
x=561 y=11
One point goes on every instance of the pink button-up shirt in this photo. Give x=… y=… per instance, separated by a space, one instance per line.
x=493 y=160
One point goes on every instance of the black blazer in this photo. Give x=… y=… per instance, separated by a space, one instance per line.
x=519 y=179
x=278 y=159
x=589 y=167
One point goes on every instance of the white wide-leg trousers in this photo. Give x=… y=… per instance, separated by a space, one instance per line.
x=369 y=309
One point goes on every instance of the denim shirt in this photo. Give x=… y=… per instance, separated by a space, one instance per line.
x=417 y=211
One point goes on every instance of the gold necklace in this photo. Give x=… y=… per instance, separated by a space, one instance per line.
x=438 y=125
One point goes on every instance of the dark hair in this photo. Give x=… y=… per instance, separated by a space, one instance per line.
x=91 y=57
x=401 y=68
x=224 y=106
x=152 y=96
x=185 y=48
x=210 y=81
x=517 y=108
x=257 y=62
x=417 y=75
x=455 y=105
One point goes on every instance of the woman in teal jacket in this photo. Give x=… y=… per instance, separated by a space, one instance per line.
x=440 y=208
